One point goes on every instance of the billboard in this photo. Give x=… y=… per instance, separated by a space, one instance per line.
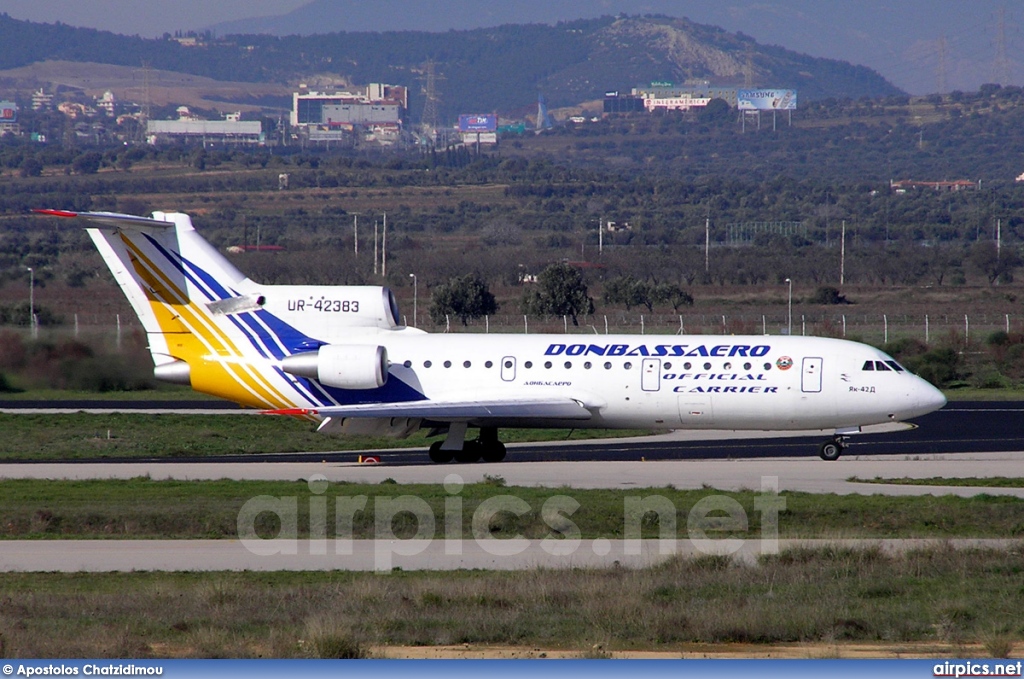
x=487 y=122
x=8 y=112
x=675 y=103
x=766 y=100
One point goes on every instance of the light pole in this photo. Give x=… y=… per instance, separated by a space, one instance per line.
x=789 y=331
x=31 y=299
x=415 y=299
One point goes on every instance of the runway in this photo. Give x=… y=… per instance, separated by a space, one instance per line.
x=979 y=440
x=97 y=556
x=960 y=427
x=964 y=439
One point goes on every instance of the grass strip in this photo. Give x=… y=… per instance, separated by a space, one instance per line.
x=829 y=594
x=991 y=482
x=78 y=436
x=148 y=509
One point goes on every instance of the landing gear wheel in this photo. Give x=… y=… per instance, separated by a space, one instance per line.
x=831 y=450
x=471 y=452
x=494 y=452
x=439 y=456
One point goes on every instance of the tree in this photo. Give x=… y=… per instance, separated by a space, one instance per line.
x=463 y=296
x=673 y=294
x=560 y=291
x=87 y=163
x=30 y=167
x=828 y=295
x=995 y=264
x=717 y=111
x=630 y=292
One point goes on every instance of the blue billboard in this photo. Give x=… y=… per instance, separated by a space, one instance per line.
x=487 y=122
x=766 y=100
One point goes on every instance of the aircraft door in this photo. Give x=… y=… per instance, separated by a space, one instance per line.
x=811 y=377
x=508 y=368
x=650 y=376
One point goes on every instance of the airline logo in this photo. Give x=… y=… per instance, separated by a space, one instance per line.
x=722 y=350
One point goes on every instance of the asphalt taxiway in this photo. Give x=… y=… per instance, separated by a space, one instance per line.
x=979 y=440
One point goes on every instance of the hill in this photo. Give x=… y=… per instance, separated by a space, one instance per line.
x=900 y=40
x=493 y=69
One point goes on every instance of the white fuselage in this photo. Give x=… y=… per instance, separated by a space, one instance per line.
x=666 y=382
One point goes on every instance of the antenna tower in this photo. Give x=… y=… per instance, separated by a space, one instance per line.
x=431 y=115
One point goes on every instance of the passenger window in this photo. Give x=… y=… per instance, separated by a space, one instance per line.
x=628 y=365
x=568 y=364
x=488 y=364
x=528 y=364
x=868 y=365
x=707 y=366
x=587 y=365
x=466 y=364
x=668 y=366
x=879 y=365
x=767 y=366
x=427 y=364
x=408 y=364
x=727 y=366
x=447 y=364
x=746 y=366
x=687 y=365
x=607 y=365
x=508 y=364
x=547 y=364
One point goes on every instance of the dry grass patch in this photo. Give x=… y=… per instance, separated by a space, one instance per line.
x=824 y=602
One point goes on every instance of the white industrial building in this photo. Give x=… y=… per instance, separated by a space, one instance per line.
x=208 y=132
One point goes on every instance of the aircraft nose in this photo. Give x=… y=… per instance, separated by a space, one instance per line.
x=929 y=399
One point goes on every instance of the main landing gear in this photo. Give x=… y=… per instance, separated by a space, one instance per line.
x=486 y=447
x=833 y=448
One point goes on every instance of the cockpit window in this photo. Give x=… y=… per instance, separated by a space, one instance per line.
x=886 y=366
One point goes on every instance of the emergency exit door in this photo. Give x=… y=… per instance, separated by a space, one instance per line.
x=811 y=378
x=650 y=376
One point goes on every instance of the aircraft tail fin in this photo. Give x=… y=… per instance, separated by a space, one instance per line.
x=185 y=294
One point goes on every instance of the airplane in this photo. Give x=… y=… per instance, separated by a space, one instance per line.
x=339 y=356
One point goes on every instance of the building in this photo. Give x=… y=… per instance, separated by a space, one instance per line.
x=622 y=103
x=377 y=112
x=207 y=132
x=377 y=104
x=9 y=118
x=106 y=103
x=692 y=95
x=41 y=101
x=905 y=185
x=666 y=91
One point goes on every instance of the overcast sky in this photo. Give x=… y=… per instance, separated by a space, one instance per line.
x=148 y=18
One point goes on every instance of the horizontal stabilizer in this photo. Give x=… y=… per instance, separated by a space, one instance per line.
x=547 y=409
x=113 y=219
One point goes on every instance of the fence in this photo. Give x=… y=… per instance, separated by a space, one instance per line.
x=873 y=328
